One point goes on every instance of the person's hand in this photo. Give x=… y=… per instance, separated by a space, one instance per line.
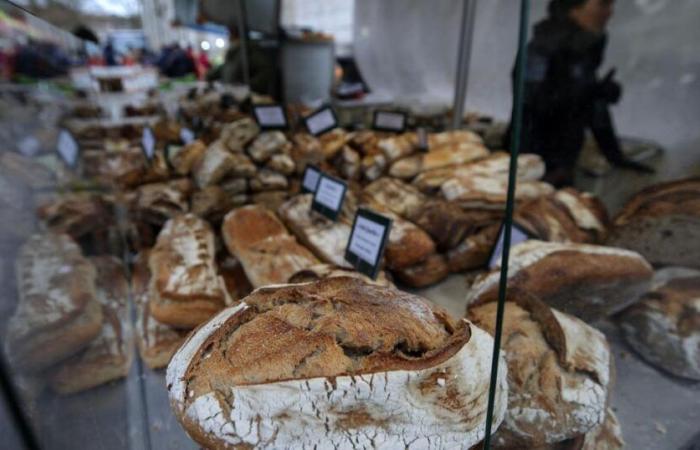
x=608 y=89
x=634 y=165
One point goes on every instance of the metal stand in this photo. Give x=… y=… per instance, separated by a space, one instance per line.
x=463 y=59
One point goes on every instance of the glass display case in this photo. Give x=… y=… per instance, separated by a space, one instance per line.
x=189 y=264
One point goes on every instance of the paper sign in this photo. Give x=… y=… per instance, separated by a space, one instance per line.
x=517 y=235
x=389 y=121
x=422 y=139
x=186 y=135
x=67 y=148
x=310 y=179
x=322 y=120
x=367 y=241
x=270 y=117
x=329 y=196
x=148 y=143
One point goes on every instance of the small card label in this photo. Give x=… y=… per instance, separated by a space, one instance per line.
x=321 y=121
x=329 y=196
x=422 y=139
x=518 y=234
x=367 y=241
x=310 y=179
x=270 y=117
x=389 y=121
x=186 y=135
x=171 y=150
x=68 y=148
x=148 y=143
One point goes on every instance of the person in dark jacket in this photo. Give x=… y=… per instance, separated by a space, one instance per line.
x=564 y=95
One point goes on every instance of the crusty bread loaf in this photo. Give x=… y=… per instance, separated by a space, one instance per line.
x=558 y=372
x=268 y=253
x=76 y=214
x=662 y=223
x=58 y=313
x=444 y=156
x=219 y=163
x=530 y=167
x=396 y=195
x=157 y=342
x=664 y=327
x=267 y=144
x=607 y=436
x=185 y=159
x=433 y=270
x=306 y=150
x=158 y=202
x=237 y=135
x=268 y=180
x=588 y=281
x=549 y=220
x=344 y=363
x=185 y=288
x=325 y=238
x=474 y=251
x=323 y=271
x=332 y=141
x=489 y=192
x=109 y=355
x=396 y=147
x=452 y=138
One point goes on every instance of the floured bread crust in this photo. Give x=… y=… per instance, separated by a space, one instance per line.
x=185 y=288
x=109 y=355
x=426 y=273
x=485 y=191
x=334 y=363
x=58 y=313
x=325 y=238
x=558 y=372
x=588 y=281
x=396 y=195
x=664 y=327
x=268 y=253
x=158 y=202
x=447 y=155
x=156 y=341
x=188 y=157
x=76 y=214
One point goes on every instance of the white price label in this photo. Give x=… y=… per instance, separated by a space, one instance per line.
x=186 y=135
x=367 y=239
x=67 y=147
x=271 y=116
x=148 y=142
x=392 y=121
x=422 y=138
x=321 y=122
x=310 y=181
x=330 y=194
x=516 y=237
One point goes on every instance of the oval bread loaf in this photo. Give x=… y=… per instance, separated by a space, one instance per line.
x=334 y=364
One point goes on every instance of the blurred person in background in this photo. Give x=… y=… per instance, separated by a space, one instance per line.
x=564 y=95
x=110 y=54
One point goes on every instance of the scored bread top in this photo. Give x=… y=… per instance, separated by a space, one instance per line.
x=182 y=261
x=337 y=326
x=676 y=197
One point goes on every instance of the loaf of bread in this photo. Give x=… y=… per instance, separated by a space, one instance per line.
x=334 y=364
x=109 y=355
x=530 y=167
x=566 y=216
x=332 y=141
x=158 y=202
x=264 y=247
x=401 y=198
x=268 y=180
x=219 y=163
x=664 y=327
x=325 y=238
x=185 y=288
x=184 y=159
x=444 y=156
x=489 y=192
x=588 y=281
x=282 y=163
x=266 y=145
x=397 y=147
x=433 y=270
x=559 y=372
x=306 y=150
x=662 y=223
x=58 y=313
x=453 y=138
x=607 y=436
x=157 y=342
x=76 y=214
x=323 y=271
x=237 y=135
x=474 y=251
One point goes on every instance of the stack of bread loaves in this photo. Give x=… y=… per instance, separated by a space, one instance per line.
x=70 y=325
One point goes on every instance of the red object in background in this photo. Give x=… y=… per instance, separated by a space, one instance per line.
x=202 y=65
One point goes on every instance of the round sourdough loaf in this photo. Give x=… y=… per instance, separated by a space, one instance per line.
x=338 y=363
x=588 y=281
x=558 y=373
